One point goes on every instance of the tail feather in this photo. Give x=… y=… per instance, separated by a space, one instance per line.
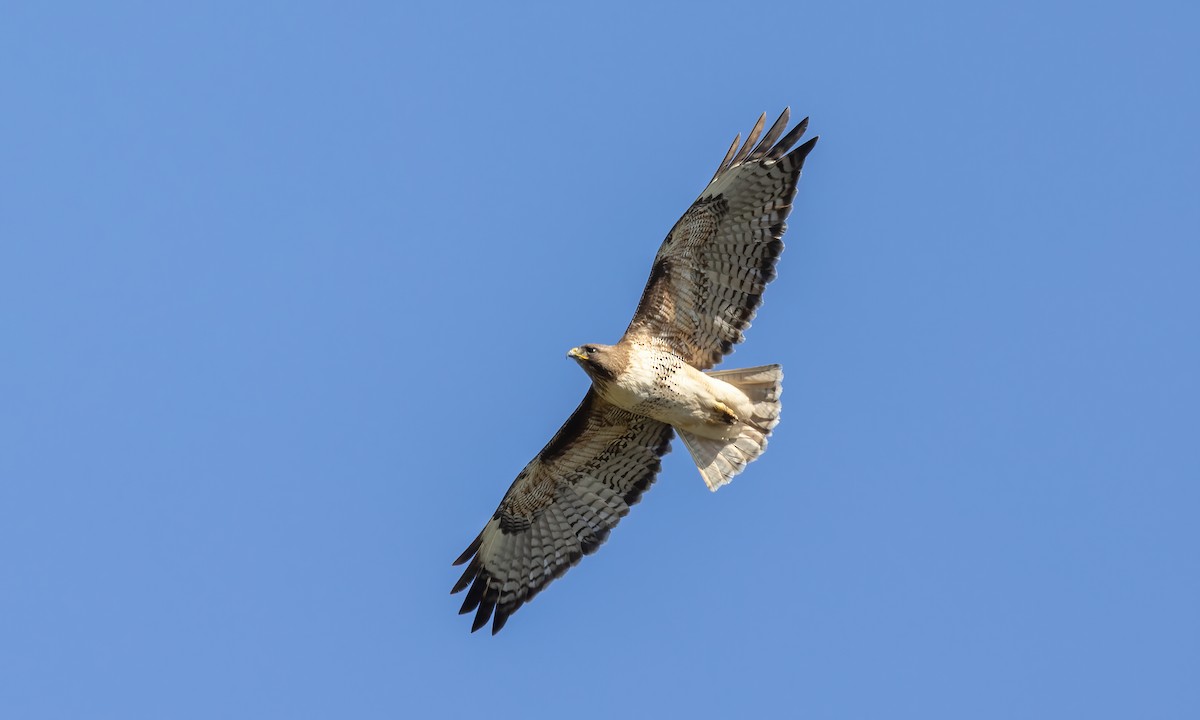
x=720 y=460
x=763 y=385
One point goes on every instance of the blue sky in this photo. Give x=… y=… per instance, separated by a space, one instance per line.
x=285 y=292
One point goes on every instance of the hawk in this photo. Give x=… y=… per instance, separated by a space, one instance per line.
x=705 y=285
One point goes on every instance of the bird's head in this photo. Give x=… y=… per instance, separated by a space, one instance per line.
x=598 y=361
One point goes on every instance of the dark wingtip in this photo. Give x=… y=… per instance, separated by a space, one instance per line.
x=501 y=618
x=471 y=571
x=802 y=152
x=474 y=595
x=470 y=551
x=792 y=137
x=483 y=615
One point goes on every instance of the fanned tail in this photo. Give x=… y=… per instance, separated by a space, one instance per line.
x=720 y=460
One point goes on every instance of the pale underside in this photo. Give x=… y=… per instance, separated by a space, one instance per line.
x=659 y=385
x=705 y=284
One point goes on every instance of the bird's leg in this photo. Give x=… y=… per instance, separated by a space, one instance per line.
x=724 y=414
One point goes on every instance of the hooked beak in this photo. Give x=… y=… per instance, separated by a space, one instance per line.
x=576 y=354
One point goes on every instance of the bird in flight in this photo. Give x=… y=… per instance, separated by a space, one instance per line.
x=705 y=286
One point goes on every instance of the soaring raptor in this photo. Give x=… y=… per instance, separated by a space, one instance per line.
x=705 y=285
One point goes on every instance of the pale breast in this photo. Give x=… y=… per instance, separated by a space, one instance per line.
x=658 y=384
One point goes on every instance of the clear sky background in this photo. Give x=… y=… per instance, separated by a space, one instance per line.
x=285 y=291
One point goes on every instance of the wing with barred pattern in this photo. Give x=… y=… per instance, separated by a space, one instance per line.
x=561 y=507
x=707 y=280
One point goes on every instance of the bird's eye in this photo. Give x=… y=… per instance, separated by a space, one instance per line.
x=591 y=351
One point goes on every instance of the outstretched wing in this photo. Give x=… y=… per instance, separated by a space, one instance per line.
x=561 y=507
x=708 y=277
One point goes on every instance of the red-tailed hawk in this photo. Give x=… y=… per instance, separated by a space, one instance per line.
x=704 y=288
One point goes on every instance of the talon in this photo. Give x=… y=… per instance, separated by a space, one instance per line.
x=728 y=416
